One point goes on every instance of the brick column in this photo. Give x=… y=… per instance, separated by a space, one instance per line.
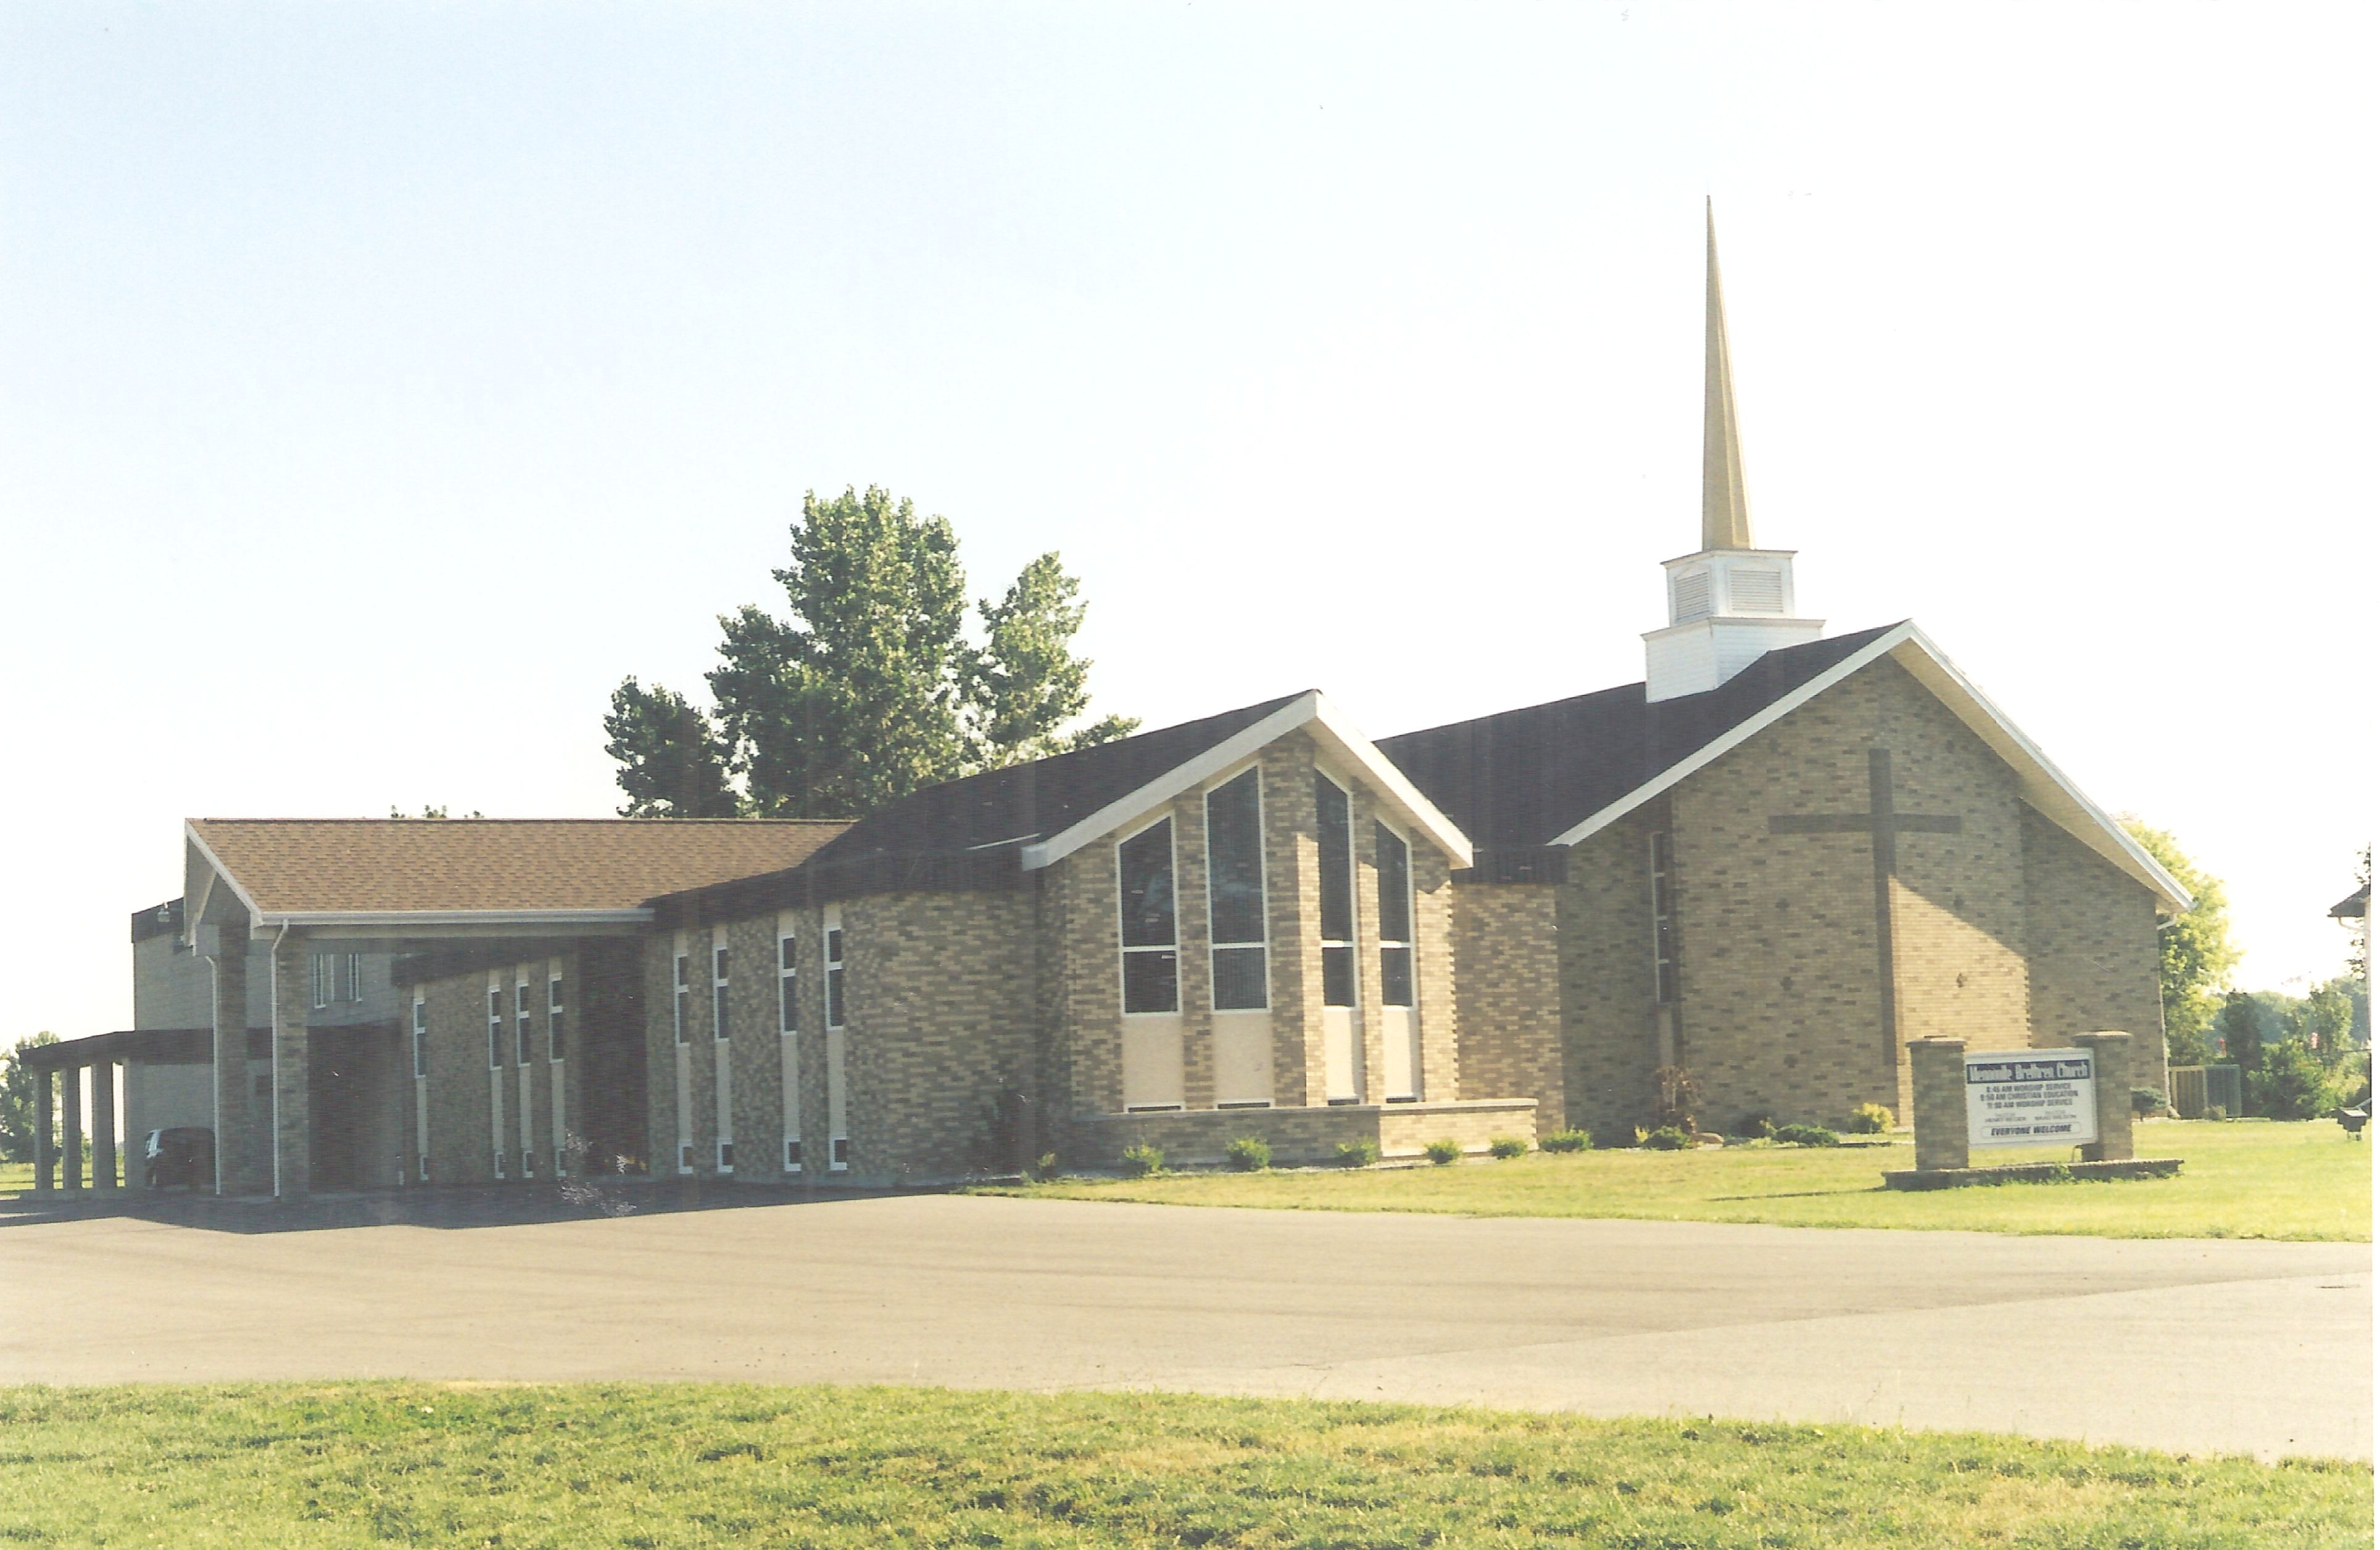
x=103 y=1125
x=1938 y=1083
x=292 y=1135
x=2112 y=1063
x=70 y=1095
x=45 y=1148
x=224 y=946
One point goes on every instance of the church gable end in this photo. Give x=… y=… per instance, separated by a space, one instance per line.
x=2091 y=944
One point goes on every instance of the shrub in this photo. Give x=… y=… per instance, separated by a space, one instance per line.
x=2147 y=1101
x=1045 y=1166
x=1566 y=1141
x=1806 y=1135
x=1442 y=1152
x=1140 y=1159
x=1360 y=1153
x=1869 y=1119
x=1676 y=1096
x=2216 y=1112
x=1250 y=1153
x=1755 y=1127
x=1668 y=1138
x=1505 y=1147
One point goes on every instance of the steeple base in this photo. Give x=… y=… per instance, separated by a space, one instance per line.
x=1703 y=653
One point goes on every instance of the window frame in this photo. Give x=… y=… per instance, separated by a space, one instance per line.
x=1262 y=946
x=681 y=986
x=556 y=1018
x=721 y=1012
x=320 y=993
x=420 y=1038
x=835 y=949
x=524 y=1042
x=1382 y=829
x=496 y=1027
x=789 y=1006
x=1124 y=951
x=1344 y=946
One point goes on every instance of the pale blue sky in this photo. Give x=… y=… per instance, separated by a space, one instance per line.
x=380 y=384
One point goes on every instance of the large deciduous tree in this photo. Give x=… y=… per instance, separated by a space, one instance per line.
x=2194 y=954
x=868 y=688
x=17 y=1120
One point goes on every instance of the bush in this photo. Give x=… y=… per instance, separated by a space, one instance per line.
x=1141 y=1159
x=1566 y=1141
x=1250 y=1153
x=1869 y=1119
x=1045 y=1166
x=1806 y=1135
x=1362 y=1153
x=1442 y=1152
x=1668 y=1138
x=2292 y=1085
x=2147 y=1101
x=1755 y=1127
x=1506 y=1147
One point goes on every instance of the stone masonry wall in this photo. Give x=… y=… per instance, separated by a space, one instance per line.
x=1508 y=981
x=1611 y=1017
x=2091 y=939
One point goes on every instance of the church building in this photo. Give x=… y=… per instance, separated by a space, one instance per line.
x=1771 y=864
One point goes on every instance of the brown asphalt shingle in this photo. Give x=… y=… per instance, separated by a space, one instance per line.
x=388 y=865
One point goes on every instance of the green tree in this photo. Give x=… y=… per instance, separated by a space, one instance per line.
x=2290 y=1085
x=2194 y=954
x=671 y=765
x=2241 y=1025
x=869 y=689
x=17 y=1122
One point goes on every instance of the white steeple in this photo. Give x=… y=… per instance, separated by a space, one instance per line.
x=1728 y=602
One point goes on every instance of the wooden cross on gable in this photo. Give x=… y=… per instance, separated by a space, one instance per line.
x=1883 y=826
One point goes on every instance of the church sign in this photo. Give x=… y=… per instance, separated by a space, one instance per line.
x=2032 y=1097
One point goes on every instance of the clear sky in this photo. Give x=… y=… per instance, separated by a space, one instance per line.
x=379 y=384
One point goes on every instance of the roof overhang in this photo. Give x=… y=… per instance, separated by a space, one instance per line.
x=1321 y=720
x=2044 y=786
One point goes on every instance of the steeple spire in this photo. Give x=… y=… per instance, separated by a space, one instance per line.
x=1726 y=522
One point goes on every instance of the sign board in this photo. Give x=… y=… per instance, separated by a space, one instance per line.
x=2032 y=1097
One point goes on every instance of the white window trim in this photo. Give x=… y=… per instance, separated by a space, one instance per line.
x=420 y=1038
x=555 y=1012
x=719 y=992
x=682 y=973
x=1264 y=887
x=523 y=1030
x=1413 y=920
x=836 y=962
x=1173 y=864
x=1354 y=893
x=496 y=1029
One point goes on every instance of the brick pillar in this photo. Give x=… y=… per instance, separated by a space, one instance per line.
x=103 y=1125
x=70 y=1095
x=292 y=1133
x=224 y=946
x=45 y=1146
x=2112 y=1063
x=1937 y=1085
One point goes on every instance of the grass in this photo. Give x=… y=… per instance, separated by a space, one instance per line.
x=654 y=1466
x=16 y=1177
x=2239 y=1180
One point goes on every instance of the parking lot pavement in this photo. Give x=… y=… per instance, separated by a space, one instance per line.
x=2191 y=1345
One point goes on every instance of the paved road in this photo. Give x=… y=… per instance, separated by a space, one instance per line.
x=2194 y=1346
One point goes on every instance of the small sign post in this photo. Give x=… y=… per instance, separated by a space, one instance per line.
x=2033 y=1097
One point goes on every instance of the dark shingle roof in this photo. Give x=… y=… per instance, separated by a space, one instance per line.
x=1519 y=777
x=965 y=833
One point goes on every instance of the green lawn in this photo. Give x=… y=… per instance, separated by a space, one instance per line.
x=16 y=1177
x=653 y=1466
x=2240 y=1179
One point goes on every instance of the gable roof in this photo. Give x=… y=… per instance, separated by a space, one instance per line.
x=1553 y=774
x=320 y=871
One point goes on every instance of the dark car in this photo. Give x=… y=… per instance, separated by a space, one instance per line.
x=185 y=1155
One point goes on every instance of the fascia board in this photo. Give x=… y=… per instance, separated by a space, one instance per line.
x=433 y=920
x=1174 y=781
x=190 y=833
x=2055 y=797
x=1742 y=732
x=1341 y=736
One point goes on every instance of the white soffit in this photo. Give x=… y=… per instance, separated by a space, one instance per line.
x=2044 y=785
x=1328 y=726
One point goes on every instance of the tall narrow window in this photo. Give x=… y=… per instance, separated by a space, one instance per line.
x=420 y=1036
x=788 y=1004
x=1334 y=850
x=553 y=1018
x=834 y=972
x=1395 y=868
x=351 y=979
x=677 y=999
x=1145 y=868
x=1665 y=920
x=717 y=992
x=496 y=1027
x=1236 y=893
x=321 y=979
x=524 y=1044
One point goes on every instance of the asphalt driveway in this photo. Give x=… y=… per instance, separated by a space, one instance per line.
x=2189 y=1345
